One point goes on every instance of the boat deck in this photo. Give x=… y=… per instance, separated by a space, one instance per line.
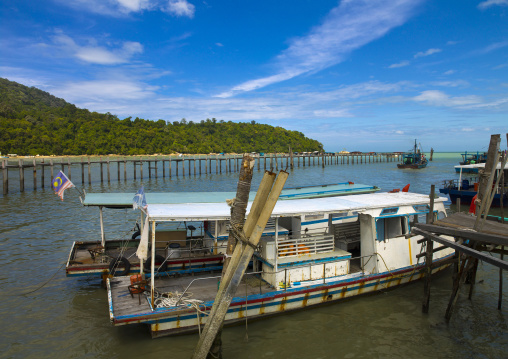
x=206 y=284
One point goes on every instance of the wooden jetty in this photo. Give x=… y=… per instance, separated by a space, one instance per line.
x=474 y=237
x=168 y=165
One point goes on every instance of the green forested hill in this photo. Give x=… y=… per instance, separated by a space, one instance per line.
x=34 y=122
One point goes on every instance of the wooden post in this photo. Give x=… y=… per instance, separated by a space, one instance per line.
x=42 y=173
x=134 y=167
x=500 y=298
x=5 y=176
x=118 y=169
x=176 y=164
x=163 y=168
x=183 y=165
x=194 y=160
x=69 y=167
x=431 y=153
x=124 y=169
x=21 y=176
x=216 y=164
x=149 y=169
x=428 y=256
x=51 y=169
x=109 y=175
x=102 y=174
x=141 y=168
x=156 y=168
x=35 y=175
x=89 y=172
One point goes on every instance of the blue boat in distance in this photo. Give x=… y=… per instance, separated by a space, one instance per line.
x=471 y=159
x=413 y=160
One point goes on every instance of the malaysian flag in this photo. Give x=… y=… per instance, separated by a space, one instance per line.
x=61 y=183
x=139 y=200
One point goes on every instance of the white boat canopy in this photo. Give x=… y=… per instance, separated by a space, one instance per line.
x=328 y=205
x=477 y=166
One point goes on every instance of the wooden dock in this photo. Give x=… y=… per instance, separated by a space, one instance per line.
x=167 y=166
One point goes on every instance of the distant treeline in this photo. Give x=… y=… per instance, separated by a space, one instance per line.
x=35 y=122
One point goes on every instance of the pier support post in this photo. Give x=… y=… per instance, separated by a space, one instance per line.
x=107 y=166
x=5 y=177
x=102 y=172
x=42 y=173
x=35 y=174
x=21 y=176
x=89 y=172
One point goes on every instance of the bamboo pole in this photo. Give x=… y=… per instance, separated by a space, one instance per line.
x=235 y=273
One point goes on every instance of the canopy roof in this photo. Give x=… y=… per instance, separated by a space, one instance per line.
x=479 y=165
x=124 y=200
x=297 y=207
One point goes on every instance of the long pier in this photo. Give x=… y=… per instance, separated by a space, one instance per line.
x=168 y=165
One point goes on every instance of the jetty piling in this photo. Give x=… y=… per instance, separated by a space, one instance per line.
x=473 y=236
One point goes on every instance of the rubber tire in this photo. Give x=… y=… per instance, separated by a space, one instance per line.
x=136 y=234
x=117 y=273
x=158 y=259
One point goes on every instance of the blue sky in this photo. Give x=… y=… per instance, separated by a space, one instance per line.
x=366 y=75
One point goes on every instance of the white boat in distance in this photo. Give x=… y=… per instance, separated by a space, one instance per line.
x=331 y=248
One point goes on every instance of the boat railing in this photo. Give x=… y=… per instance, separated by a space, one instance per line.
x=362 y=259
x=306 y=244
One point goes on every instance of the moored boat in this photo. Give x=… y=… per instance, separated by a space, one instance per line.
x=466 y=187
x=471 y=159
x=362 y=244
x=190 y=253
x=413 y=160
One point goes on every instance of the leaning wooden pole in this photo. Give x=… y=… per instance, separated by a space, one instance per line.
x=238 y=209
x=492 y=153
x=428 y=256
x=219 y=309
x=256 y=208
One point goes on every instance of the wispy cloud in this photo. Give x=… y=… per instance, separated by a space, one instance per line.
x=486 y=4
x=180 y=8
x=427 y=53
x=119 y=8
x=471 y=102
x=400 y=64
x=346 y=28
x=492 y=47
x=95 y=54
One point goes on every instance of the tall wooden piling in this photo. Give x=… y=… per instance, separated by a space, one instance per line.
x=5 y=176
x=21 y=176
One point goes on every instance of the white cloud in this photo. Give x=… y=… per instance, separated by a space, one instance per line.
x=346 y=28
x=400 y=64
x=180 y=8
x=97 y=54
x=449 y=72
x=439 y=98
x=486 y=4
x=427 y=53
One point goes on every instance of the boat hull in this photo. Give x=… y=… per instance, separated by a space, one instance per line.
x=169 y=322
x=467 y=196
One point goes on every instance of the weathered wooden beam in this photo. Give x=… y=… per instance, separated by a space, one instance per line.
x=464 y=233
x=469 y=251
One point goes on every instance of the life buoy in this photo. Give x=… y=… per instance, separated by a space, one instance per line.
x=159 y=261
x=115 y=267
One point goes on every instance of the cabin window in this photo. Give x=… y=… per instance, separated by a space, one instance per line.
x=390 y=227
x=421 y=208
x=389 y=211
x=339 y=215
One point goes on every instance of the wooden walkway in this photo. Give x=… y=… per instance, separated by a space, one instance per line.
x=167 y=166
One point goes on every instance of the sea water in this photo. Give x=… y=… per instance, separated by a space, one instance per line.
x=44 y=314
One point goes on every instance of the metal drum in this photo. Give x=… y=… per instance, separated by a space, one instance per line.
x=174 y=251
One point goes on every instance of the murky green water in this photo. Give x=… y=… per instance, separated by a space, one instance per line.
x=68 y=317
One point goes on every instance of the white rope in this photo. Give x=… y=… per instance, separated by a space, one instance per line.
x=172 y=299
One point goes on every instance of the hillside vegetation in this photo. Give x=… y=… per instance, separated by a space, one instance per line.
x=35 y=122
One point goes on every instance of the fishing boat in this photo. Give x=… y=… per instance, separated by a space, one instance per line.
x=332 y=249
x=413 y=160
x=471 y=159
x=180 y=245
x=466 y=187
